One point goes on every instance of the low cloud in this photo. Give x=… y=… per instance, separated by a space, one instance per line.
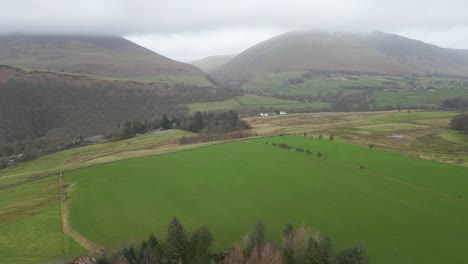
x=197 y=23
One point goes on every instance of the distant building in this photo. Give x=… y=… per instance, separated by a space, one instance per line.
x=282 y=112
x=263 y=114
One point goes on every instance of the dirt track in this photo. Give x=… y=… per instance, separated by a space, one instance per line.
x=66 y=224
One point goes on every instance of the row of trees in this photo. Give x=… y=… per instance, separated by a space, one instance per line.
x=299 y=245
x=212 y=126
x=131 y=129
x=214 y=122
x=455 y=103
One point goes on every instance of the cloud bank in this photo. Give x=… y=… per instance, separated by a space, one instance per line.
x=206 y=26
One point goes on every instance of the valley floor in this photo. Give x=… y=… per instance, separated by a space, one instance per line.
x=31 y=211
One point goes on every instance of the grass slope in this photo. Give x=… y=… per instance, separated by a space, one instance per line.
x=254 y=101
x=315 y=51
x=90 y=155
x=31 y=225
x=403 y=210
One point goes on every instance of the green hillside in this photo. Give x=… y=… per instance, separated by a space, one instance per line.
x=395 y=206
x=320 y=52
x=30 y=214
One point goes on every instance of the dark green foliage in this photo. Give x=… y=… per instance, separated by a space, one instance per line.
x=179 y=248
x=255 y=239
x=319 y=252
x=353 y=255
x=353 y=101
x=152 y=241
x=217 y=122
x=313 y=254
x=129 y=254
x=200 y=243
x=176 y=243
x=197 y=123
x=103 y=260
x=460 y=122
x=128 y=131
x=143 y=247
x=165 y=123
x=332 y=137
x=8 y=150
x=288 y=237
x=327 y=250
x=455 y=103
x=258 y=235
x=131 y=129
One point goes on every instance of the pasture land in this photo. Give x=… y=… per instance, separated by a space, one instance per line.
x=251 y=101
x=144 y=145
x=395 y=206
x=31 y=211
x=386 y=90
x=31 y=225
x=419 y=134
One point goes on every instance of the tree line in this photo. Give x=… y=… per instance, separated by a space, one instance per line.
x=211 y=124
x=300 y=245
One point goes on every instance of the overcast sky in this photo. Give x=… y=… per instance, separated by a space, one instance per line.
x=188 y=29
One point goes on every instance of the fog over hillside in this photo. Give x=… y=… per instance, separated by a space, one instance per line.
x=186 y=30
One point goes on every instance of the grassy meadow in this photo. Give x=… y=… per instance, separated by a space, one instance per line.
x=93 y=154
x=397 y=206
x=31 y=225
x=251 y=101
x=237 y=184
x=387 y=91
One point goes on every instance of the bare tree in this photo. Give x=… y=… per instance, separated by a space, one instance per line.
x=300 y=241
x=235 y=256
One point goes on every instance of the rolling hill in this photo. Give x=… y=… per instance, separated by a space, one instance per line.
x=376 y=53
x=209 y=64
x=113 y=57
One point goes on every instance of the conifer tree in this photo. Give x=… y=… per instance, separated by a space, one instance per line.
x=176 y=243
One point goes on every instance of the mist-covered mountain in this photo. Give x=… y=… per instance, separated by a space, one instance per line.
x=376 y=53
x=113 y=57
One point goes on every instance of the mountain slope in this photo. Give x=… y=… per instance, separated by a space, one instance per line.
x=208 y=64
x=100 y=56
x=376 y=53
x=419 y=55
x=33 y=104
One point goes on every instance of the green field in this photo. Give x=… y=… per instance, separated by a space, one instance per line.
x=31 y=225
x=402 y=209
x=252 y=101
x=387 y=91
x=89 y=155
